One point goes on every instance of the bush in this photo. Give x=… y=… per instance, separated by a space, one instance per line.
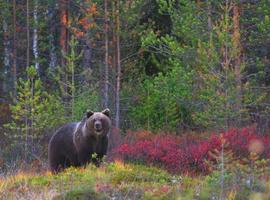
x=178 y=154
x=164 y=100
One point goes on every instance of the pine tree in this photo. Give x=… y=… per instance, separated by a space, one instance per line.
x=33 y=110
x=68 y=88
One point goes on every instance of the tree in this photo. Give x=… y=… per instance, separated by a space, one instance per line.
x=33 y=110
x=64 y=31
x=130 y=44
x=68 y=88
x=117 y=61
x=237 y=54
x=14 y=55
x=5 y=77
x=106 y=57
x=28 y=34
x=35 y=34
x=255 y=44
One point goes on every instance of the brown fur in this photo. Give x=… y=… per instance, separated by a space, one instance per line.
x=75 y=143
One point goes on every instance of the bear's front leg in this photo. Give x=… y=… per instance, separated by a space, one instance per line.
x=102 y=149
x=85 y=158
x=95 y=159
x=91 y=158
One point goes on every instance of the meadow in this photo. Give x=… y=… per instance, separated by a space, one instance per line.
x=230 y=165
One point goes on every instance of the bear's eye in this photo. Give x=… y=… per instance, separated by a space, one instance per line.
x=96 y=119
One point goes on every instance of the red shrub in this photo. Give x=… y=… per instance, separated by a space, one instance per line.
x=240 y=142
x=180 y=154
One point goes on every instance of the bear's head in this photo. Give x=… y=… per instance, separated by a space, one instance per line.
x=98 y=123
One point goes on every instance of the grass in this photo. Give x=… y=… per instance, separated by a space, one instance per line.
x=119 y=181
x=114 y=180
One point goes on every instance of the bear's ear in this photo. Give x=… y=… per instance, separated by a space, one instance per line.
x=89 y=113
x=106 y=112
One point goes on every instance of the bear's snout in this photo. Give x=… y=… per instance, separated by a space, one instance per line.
x=98 y=126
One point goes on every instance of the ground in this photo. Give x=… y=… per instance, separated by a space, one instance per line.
x=116 y=181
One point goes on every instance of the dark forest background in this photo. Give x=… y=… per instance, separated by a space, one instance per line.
x=162 y=65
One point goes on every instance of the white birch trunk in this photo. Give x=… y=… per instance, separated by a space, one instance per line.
x=118 y=64
x=6 y=44
x=35 y=35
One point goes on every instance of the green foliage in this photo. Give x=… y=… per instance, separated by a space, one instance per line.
x=158 y=39
x=66 y=78
x=201 y=43
x=127 y=181
x=229 y=172
x=34 y=109
x=164 y=100
x=264 y=23
x=91 y=182
x=41 y=181
x=84 y=100
x=198 y=86
x=185 y=18
x=79 y=185
x=189 y=187
x=137 y=173
x=212 y=184
x=80 y=194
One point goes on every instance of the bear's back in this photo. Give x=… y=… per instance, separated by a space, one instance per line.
x=63 y=137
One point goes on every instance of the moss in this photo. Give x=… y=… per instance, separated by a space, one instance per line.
x=119 y=181
x=39 y=181
x=82 y=193
x=137 y=173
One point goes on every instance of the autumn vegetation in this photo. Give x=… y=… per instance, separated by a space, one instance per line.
x=194 y=155
x=187 y=83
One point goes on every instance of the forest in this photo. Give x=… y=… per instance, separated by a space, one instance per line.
x=187 y=83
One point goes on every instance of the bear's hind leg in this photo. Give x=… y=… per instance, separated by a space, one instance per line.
x=58 y=164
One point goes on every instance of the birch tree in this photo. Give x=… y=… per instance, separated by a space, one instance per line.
x=14 y=53
x=117 y=62
x=35 y=34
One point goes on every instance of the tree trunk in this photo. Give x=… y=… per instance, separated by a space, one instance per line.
x=64 y=43
x=26 y=138
x=237 y=54
x=209 y=16
x=28 y=35
x=14 y=66
x=6 y=44
x=106 y=70
x=118 y=66
x=63 y=31
x=72 y=65
x=35 y=35
x=87 y=55
x=225 y=63
x=53 y=56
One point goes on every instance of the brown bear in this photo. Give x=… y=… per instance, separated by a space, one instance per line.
x=78 y=143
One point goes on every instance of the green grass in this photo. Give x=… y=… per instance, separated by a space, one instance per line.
x=118 y=181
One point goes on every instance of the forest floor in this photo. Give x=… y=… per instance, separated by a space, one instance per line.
x=119 y=181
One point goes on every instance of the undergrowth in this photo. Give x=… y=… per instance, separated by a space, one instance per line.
x=231 y=165
x=127 y=181
x=179 y=154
